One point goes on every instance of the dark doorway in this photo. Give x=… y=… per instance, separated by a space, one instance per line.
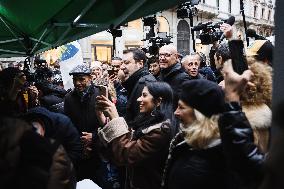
x=183 y=37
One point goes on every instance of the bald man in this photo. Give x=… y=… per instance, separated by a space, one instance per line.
x=171 y=70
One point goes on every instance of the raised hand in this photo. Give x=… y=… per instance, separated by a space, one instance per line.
x=227 y=29
x=235 y=83
x=107 y=107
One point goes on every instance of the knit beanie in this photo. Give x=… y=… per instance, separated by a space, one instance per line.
x=203 y=95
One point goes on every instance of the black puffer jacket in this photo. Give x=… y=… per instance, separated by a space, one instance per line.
x=242 y=155
x=51 y=96
x=59 y=127
x=197 y=169
x=134 y=86
x=174 y=76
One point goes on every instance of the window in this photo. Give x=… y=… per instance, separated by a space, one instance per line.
x=269 y=15
x=255 y=11
x=102 y=53
x=203 y=1
x=262 y=13
x=230 y=6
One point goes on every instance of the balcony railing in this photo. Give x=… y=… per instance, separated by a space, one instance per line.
x=207 y=9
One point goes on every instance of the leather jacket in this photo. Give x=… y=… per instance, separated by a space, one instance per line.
x=242 y=155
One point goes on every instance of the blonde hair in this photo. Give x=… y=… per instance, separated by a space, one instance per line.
x=202 y=131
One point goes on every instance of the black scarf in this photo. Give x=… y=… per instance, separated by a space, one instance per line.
x=130 y=83
x=145 y=120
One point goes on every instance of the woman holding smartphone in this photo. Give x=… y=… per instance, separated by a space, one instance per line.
x=142 y=150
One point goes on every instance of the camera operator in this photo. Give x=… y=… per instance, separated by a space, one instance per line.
x=51 y=95
x=16 y=96
x=57 y=77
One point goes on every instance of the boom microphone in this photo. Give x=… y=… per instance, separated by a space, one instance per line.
x=252 y=33
x=230 y=21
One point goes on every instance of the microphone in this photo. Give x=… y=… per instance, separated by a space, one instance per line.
x=230 y=21
x=252 y=33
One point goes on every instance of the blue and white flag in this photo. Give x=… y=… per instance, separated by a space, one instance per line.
x=71 y=56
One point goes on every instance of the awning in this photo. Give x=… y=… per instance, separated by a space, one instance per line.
x=31 y=26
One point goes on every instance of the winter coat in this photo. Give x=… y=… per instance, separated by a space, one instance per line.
x=208 y=73
x=174 y=76
x=34 y=162
x=196 y=168
x=81 y=110
x=260 y=117
x=121 y=102
x=143 y=157
x=51 y=96
x=242 y=155
x=134 y=86
x=58 y=126
x=199 y=76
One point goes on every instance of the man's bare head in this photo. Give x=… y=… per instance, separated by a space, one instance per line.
x=168 y=56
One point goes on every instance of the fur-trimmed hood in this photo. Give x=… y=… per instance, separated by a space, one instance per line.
x=261 y=92
x=259 y=116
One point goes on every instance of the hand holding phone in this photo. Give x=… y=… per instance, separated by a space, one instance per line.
x=103 y=90
x=239 y=61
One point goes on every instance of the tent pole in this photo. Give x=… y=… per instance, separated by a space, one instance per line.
x=128 y=12
x=13 y=33
x=11 y=40
x=84 y=11
x=14 y=52
x=45 y=43
x=39 y=40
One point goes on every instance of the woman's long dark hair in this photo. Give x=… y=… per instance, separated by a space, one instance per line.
x=164 y=91
x=159 y=90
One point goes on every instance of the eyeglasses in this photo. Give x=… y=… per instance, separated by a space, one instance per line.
x=167 y=55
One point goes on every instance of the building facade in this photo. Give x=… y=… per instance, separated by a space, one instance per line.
x=259 y=15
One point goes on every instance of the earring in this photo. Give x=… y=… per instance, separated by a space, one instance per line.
x=153 y=112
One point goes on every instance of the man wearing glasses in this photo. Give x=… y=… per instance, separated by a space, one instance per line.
x=171 y=70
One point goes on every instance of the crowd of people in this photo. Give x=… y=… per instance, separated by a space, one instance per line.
x=166 y=122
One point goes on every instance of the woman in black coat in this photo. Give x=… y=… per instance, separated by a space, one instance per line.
x=196 y=158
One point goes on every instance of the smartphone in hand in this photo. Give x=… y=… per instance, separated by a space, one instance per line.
x=239 y=61
x=103 y=90
x=112 y=72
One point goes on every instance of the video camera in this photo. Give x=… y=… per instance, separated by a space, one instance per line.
x=187 y=10
x=41 y=73
x=157 y=42
x=211 y=31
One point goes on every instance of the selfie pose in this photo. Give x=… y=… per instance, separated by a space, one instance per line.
x=143 y=149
